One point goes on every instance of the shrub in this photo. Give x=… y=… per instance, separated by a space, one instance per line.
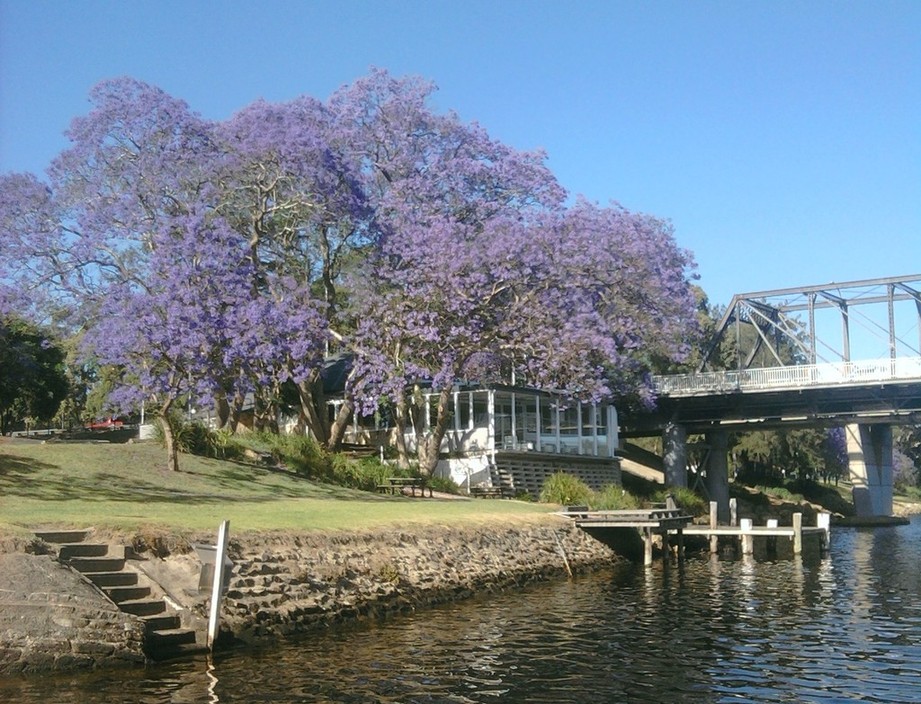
x=194 y=438
x=564 y=489
x=613 y=498
x=301 y=454
x=445 y=485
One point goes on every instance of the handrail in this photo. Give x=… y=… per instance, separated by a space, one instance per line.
x=792 y=377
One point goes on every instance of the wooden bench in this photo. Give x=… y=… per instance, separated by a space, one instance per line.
x=491 y=492
x=398 y=485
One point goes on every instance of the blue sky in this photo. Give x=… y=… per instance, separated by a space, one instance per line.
x=782 y=139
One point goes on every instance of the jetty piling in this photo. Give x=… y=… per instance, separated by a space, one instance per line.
x=746 y=532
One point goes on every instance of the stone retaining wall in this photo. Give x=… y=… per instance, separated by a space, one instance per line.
x=283 y=586
x=282 y=583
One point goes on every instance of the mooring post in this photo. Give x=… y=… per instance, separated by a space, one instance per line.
x=217 y=588
x=733 y=512
x=647 y=545
x=772 y=540
x=748 y=541
x=797 y=533
x=823 y=520
x=714 y=515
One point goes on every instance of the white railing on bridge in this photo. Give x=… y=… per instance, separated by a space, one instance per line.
x=792 y=377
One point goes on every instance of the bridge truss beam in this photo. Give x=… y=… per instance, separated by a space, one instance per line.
x=782 y=323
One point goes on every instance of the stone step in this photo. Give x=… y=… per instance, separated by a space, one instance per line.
x=170 y=637
x=183 y=650
x=133 y=593
x=71 y=550
x=113 y=579
x=143 y=607
x=162 y=622
x=63 y=536
x=97 y=564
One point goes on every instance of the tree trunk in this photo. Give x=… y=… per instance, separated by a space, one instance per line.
x=169 y=437
x=235 y=411
x=337 y=430
x=313 y=412
x=430 y=447
x=221 y=410
x=400 y=416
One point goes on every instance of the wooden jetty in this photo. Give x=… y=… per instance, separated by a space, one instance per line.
x=745 y=531
x=670 y=521
x=655 y=521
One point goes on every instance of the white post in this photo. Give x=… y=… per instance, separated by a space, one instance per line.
x=217 y=587
x=714 y=540
x=797 y=533
x=579 y=425
x=823 y=520
x=537 y=445
x=748 y=542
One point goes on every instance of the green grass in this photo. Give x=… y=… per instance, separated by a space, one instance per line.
x=127 y=487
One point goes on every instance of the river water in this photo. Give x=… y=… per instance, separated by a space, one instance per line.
x=846 y=627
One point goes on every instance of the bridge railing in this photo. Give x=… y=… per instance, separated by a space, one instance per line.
x=792 y=377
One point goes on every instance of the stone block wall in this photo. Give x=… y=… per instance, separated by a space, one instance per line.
x=282 y=586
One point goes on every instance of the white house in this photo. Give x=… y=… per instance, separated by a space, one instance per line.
x=510 y=437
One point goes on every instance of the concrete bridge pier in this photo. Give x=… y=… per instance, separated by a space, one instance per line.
x=718 y=472
x=869 y=453
x=675 y=454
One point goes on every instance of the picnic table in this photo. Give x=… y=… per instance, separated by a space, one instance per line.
x=398 y=485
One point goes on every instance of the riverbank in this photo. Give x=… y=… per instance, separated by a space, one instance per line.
x=283 y=583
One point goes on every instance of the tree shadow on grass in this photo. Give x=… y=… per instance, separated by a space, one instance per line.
x=34 y=479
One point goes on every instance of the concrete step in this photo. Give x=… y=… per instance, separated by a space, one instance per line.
x=71 y=550
x=170 y=637
x=113 y=579
x=161 y=622
x=183 y=650
x=63 y=536
x=143 y=607
x=172 y=643
x=97 y=564
x=121 y=594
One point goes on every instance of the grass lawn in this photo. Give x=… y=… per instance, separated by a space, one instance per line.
x=126 y=487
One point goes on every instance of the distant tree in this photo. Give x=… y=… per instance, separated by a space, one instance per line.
x=33 y=381
x=908 y=443
x=779 y=455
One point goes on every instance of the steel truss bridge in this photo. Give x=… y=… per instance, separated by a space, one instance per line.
x=784 y=357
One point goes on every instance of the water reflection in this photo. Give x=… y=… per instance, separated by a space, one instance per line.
x=842 y=628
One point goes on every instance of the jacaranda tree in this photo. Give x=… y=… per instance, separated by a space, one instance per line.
x=211 y=260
